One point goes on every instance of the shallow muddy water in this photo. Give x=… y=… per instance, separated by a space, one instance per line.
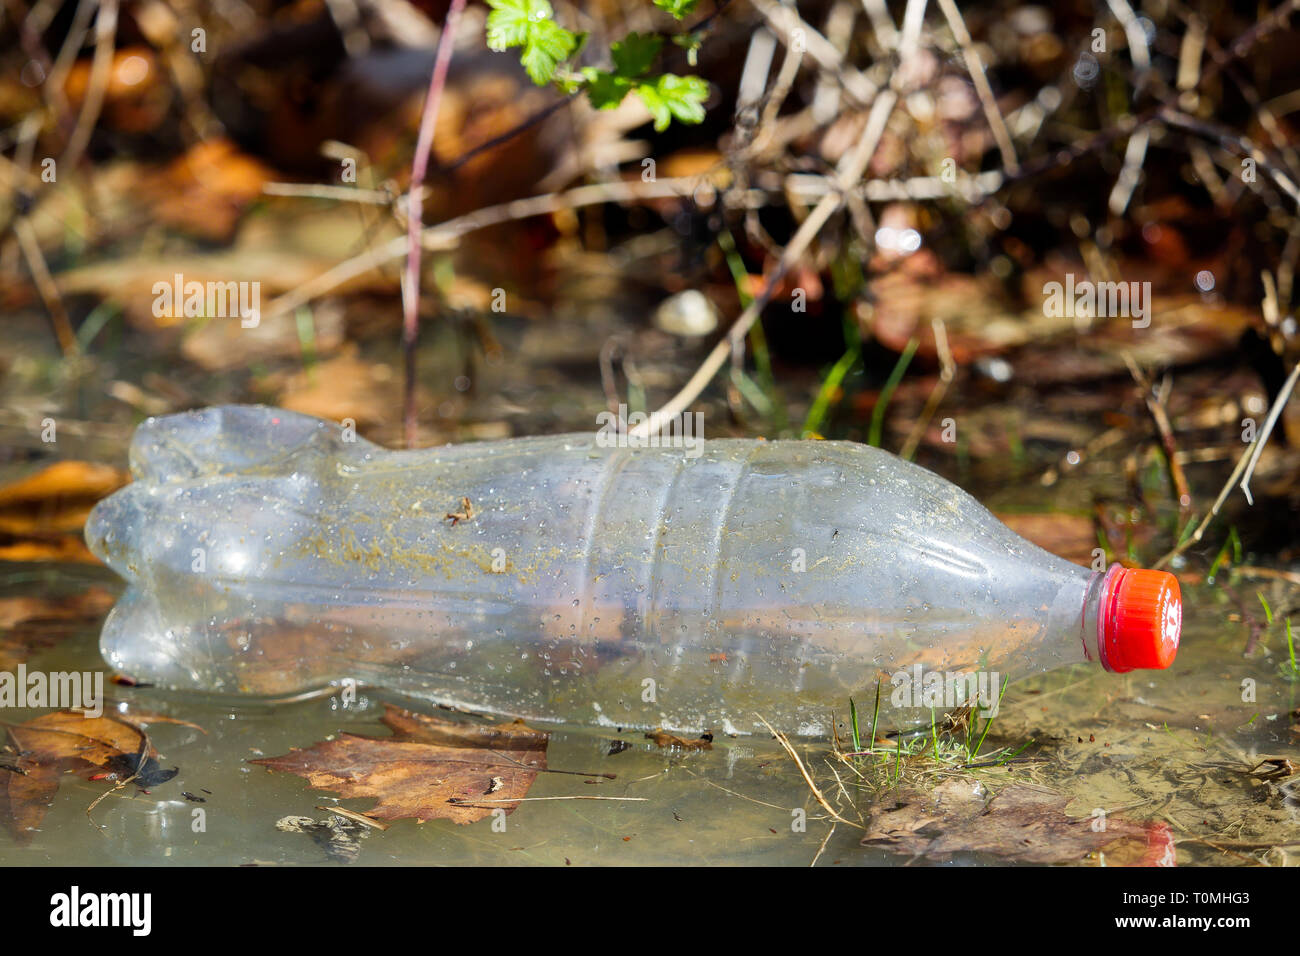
x=1153 y=748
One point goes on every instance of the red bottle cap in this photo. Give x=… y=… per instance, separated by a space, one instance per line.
x=1140 y=621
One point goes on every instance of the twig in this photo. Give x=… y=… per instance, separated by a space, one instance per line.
x=141 y=756
x=1245 y=464
x=822 y=848
x=54 y=86
x=882 y=23
x=976 y=69
x=1156 y=401
x=45 y=285
x=1234 y=142
x=355 y=817
x=784 y=21
x=947 y=371
x=100 y=67
x=444 y=235
x=1257 y=447
x=456 y=801
x=1137 y=39
x=415 y=210
x=523 y=126
x=374 y=197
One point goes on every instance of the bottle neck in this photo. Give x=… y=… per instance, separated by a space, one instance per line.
x=1095 y=621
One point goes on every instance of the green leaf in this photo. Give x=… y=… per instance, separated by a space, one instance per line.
x=548 y=44
x=509 y=21
x=684 y=97
x=529 y=23
x=605 y=90
x=656 y=105
x=634 y=53
x=674 y=96
x=678 y=8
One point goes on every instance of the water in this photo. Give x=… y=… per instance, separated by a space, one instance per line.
x=1166 y=746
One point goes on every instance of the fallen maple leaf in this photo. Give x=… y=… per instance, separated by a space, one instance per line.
x=428 y=769
x=1017 y=822
x=49 y=746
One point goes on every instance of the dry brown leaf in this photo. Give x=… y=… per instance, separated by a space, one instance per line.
x=101 y=741
x=205 y=191
x=59 y=548
x=41 y=516
x=664 y=739
x=57 y=498
x=97 y=748
x=428 y=769
x=1018 y=822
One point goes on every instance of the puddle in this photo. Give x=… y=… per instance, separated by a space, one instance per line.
x=1170 y=747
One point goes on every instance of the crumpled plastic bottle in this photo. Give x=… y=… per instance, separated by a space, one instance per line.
x=270 y=553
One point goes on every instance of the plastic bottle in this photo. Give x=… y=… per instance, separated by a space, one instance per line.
x=270 y=553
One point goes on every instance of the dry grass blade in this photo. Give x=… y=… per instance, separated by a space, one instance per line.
x=807 y=777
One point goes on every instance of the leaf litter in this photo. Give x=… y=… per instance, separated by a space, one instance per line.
x=45 y=749
x=430 y=768
x=1018 y=821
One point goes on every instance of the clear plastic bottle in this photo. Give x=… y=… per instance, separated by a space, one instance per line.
x=552 y=578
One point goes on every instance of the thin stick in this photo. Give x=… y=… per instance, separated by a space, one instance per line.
x=54 y=85
x=1157 y=404
x=976 y=69
x=822 y=848
x=509 y=134
x=100 y=67
x=141 y=756
x=784 y=21
x=1257 y=448
x=45 y=285
x=456 y=801
x=444 y=235
x=1234 y=142
x=375 y=197
x=1248 y=459
x=415 y=210
x=1137 y=39
x=718 y=786
x=355 y=817
x=947 y=372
